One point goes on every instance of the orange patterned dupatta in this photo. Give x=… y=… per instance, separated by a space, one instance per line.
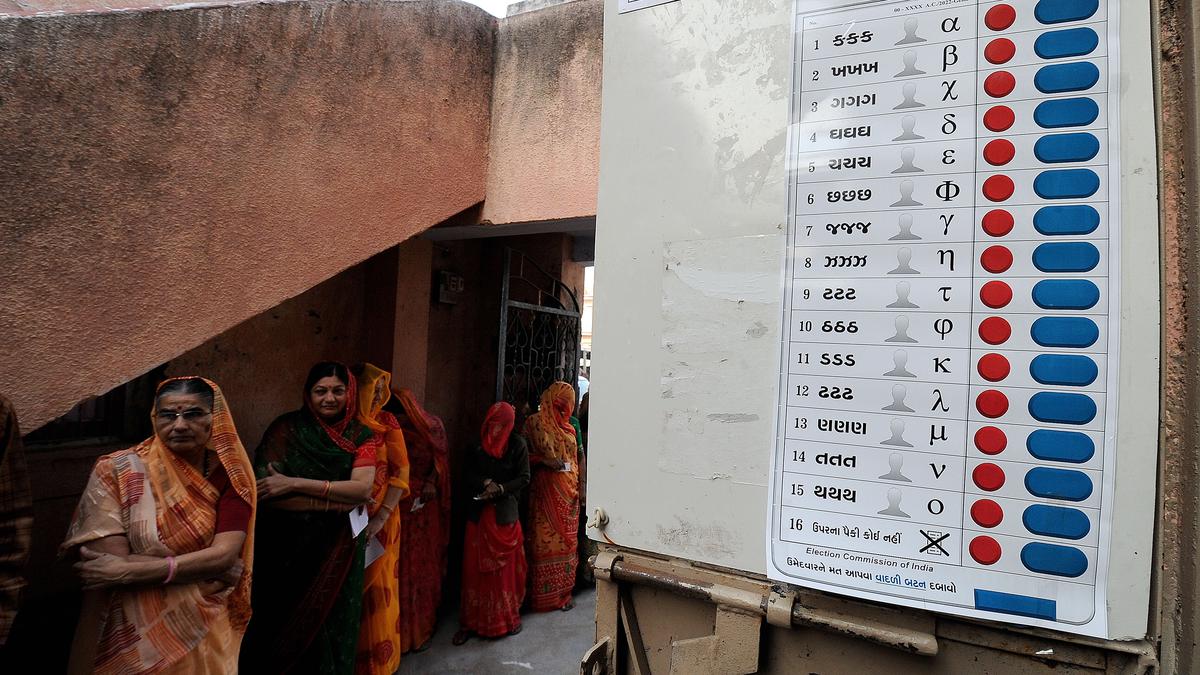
x=164 y=506
x=554 y=499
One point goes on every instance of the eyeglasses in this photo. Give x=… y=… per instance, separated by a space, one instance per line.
x=189 y=416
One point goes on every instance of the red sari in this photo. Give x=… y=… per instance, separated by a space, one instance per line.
x=426 y=531
x=554 y=499
x=493 y=579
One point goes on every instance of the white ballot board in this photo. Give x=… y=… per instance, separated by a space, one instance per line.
x=947 y=407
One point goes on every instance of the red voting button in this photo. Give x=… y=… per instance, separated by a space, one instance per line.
x=999 y=118
x=999 y=51
x=998 y=188
x=993 y=368
x=1000 y=17
x=999 y=84
x=984 y=550
x=995 y=294
x=988 y=476
x=990 y=440
x=991 y=403
x=999 y=152
x=998 y=222
x=994 y=330
x=996 y=259
x=987 y=513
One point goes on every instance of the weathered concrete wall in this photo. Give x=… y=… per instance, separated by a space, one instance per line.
x=545 y=146
x=168 y=174
x=260 y=364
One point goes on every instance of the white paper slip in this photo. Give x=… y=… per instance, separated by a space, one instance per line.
x=417 y=505
x=374 y=551
x=566 y=467
x=358 y=520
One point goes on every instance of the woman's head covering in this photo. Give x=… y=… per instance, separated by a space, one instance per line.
x=497 y=427
x=336 y=430
x=368 y=408
x=170 y=484
x=549 y=430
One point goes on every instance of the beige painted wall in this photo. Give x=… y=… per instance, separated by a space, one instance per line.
x=545 y=146
x=169 y=174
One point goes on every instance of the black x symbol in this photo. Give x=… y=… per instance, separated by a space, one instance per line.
x=935 y=540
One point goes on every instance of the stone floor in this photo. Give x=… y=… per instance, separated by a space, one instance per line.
x=550 y=644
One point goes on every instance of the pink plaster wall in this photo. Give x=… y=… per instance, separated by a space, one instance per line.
x=545 y=146
x=169 y=174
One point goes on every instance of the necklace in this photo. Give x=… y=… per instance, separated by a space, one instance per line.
x=206 y=463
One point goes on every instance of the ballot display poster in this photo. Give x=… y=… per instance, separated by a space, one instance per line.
x=948 y=377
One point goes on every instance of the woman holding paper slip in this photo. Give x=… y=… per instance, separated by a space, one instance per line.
x=493 y=578
x=314 y=466
x=379 y=637
x=554 y=499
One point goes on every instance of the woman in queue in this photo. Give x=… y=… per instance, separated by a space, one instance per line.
x=493 y=576
x=164 y=531
x=314 y=465
x=554 y=499
x=426 y=514
x=379 y=637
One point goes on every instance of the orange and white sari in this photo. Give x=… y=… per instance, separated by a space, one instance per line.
x=554 y=499
x=165 y=507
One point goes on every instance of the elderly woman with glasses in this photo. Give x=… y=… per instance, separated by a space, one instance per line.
x=164 y=534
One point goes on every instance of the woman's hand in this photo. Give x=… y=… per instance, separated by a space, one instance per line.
x=491 y=489
x=102 y=570
x=274 y=485
x=429 y=491
x=556 y=464
x=376 y=522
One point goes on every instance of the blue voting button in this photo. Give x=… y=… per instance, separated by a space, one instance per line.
x=1056 y=521
x=1062 y=408
x=1066 y=184
x=1050 y=445
x=1061 y=11
x=1011 y=603
x=1066 y=112
x=1066 y=220
x=1066 y=256
x=1065 y=294
x=1066 y=148
x=1066 y=484
x=1066 y=370
x=1064 y=77
x=1064 y=331
x=1061 y=44
x=1063 y=561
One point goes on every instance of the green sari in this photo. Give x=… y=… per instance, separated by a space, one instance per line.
x=308 y=584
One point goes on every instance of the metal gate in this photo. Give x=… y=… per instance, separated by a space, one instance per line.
x=539 y=333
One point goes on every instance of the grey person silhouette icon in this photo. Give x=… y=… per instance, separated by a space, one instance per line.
x=908 y=129
x=903 y=289
x=910 y=33
x=906 y=198
x=905 y=225
x=897 y=437
x=893 y=507
x=899 y=393
x=910 y=65
x=901 y=331
x=903 y=258
x=900 y=361
x=907 y=155
x=909 y=90
x=896 y=466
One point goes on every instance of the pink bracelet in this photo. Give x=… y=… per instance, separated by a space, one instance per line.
x=170 y=569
